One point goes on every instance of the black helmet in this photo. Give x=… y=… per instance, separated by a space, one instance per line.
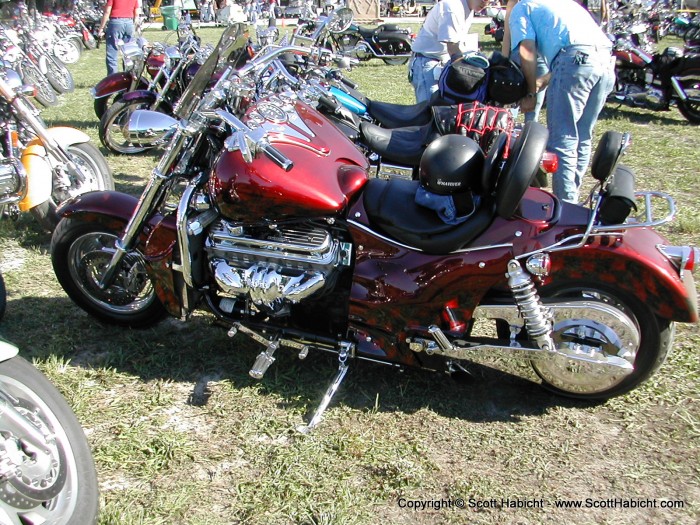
x=451 y=164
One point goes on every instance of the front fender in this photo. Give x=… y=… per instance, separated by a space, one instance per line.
x=140 y=94
x=38 y=168
x=111 y=84
x=633 y=264
x=114 y=209
x=7 y=351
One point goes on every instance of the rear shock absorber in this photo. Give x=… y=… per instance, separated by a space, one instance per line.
x=538 y=318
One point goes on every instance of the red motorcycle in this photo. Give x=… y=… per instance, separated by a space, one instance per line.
x=141 y=72
x=263 y=213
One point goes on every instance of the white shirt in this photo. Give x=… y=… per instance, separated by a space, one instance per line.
x=448 y=21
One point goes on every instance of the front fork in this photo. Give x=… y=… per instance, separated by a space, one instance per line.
x=150 y=198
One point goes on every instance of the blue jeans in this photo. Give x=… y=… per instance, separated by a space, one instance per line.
x=582 y=78
x=424 y=74
x=117 y=29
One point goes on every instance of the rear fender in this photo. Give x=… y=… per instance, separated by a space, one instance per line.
x=633 y=264
x=156 y=243
x=38 y=168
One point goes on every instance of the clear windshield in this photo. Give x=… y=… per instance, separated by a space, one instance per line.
x=229 y=50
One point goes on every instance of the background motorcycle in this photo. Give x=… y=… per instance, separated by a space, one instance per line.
x=326 y=258
x=48 y=475
x=179 y=65
x=15 y=58
x=657 y=81
x=41 y=167
x=337 y=33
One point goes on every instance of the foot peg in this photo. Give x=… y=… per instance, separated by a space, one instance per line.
x=265 y=358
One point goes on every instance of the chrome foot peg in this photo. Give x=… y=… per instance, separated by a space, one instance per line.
x=265 y=358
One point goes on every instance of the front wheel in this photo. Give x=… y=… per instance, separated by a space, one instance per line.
x=80 y=253
x=56 y=482
x=116 y=117
x=95 y=173
x=646 y=349
x=68 y=50
x=45 y=94
x=60 y=78
x=102 y=104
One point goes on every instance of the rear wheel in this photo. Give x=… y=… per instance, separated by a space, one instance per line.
x=586 y=381
x=80 y=253
x=690 y=108
x=395 y=61
x=114 y=120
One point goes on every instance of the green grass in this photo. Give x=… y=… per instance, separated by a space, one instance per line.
x=182 y=434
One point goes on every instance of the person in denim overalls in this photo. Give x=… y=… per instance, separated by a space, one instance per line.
x=582 y=74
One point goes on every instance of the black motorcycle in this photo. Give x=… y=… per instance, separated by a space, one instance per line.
x=656 y=82
x=337 y=32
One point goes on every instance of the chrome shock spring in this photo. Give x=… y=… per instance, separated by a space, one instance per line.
x=538 y=318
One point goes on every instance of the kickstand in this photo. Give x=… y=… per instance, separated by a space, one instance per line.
x=330 y=392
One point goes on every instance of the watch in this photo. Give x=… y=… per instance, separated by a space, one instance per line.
x=531 y=94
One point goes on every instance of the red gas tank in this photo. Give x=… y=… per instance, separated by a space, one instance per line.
x=328 y=168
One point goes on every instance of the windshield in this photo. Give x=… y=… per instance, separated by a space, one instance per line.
x=231 y=50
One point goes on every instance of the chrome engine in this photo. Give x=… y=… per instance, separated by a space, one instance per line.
x=12 y=181
x=277 y=266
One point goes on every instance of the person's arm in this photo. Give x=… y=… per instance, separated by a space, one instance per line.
x=137 y=9
x=105 y=18
x=528 y=63
x=505 y=44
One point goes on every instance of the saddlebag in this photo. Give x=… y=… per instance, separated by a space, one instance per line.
x=464 y=81
x=506 y=84
x=618 y=197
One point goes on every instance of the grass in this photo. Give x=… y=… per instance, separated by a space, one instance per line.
x=181 y=434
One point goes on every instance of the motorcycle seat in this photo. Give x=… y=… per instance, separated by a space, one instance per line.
x=399 y=115
x=391 y=209
x=401 y=145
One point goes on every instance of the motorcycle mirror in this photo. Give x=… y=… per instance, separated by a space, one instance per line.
x=146 y=127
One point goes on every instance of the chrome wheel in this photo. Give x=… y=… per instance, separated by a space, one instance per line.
x=88 y=258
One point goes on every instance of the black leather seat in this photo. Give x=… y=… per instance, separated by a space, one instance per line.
x=391 y=208
x=401 y=145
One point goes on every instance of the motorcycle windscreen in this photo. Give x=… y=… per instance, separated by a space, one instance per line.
x=229 y=50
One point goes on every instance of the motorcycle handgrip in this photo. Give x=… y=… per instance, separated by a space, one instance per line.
x=276 y=156
x=348 y=82
x=329 y=102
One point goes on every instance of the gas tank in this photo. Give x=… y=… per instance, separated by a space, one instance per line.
x=329 y=170
x=154 y=62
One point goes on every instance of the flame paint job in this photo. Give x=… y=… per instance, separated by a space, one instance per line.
x=328 y=172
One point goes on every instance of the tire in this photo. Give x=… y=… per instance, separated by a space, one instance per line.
x=90 y=42
x=111 y=126
x=45 y=94
x=97 y=175
x=79 y=253
x=57 y=484
x=102 y=105
x=3 y=297
x=690 y=109
x=395 y=61
x=67 y=51
x=59 y=77
x=561 y=376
